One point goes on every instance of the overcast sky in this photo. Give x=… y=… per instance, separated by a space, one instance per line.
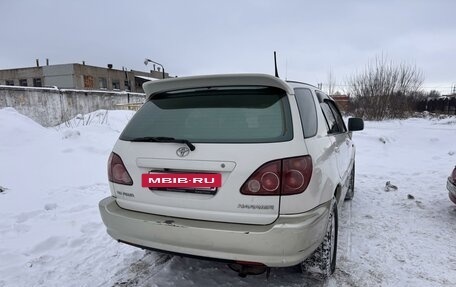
x=232 y=36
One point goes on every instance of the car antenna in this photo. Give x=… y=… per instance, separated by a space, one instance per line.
x=275 y=65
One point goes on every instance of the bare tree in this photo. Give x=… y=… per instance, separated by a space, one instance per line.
x=385 y=90
x=434 y=94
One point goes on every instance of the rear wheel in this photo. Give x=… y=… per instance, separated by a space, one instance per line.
x=351 y=185
x=323 y=260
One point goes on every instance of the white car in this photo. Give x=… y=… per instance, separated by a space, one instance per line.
x=273 y=161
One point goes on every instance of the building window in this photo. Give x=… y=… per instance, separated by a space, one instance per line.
x=127 y=85
x=9 y=82
x=37 y=82
x=115 y=84
x=88 y=82
x=138 y=83
x=102 y=83
x=23 y=82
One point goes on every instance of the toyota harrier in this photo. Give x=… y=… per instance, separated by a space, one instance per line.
x=273 y=162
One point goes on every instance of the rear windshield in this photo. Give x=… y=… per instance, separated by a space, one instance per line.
x=215 y=115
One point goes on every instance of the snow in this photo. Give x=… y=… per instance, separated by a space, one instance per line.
x=51 y=233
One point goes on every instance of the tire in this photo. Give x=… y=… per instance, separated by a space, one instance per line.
x=323 y=260
x=351 y=185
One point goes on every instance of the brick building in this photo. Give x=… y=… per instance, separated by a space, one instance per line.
x=341 y=100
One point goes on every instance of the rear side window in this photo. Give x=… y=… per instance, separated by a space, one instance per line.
x=330 y=119
x=337 y=116
x=333 y=117
x=307 y=111
x=215 y=115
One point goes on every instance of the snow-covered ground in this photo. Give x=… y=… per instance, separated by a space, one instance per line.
x=51 y=233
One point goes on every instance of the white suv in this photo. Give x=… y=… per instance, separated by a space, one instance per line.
x=284 y=155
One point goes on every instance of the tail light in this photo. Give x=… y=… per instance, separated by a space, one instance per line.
x=296 y=174
x=117 y=172
x=453 y=175
x=280 y=177
x=265 y=180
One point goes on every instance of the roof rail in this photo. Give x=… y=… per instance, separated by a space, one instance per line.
x=297 y=82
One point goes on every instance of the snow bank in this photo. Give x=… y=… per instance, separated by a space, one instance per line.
x=51 y=233
x=17 y=129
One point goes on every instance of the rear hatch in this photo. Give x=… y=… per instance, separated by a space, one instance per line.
x=234 y=129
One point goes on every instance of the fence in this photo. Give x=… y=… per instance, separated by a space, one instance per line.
x=52 y=106
x=445 y=105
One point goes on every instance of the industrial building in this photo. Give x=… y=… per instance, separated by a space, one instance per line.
x=79 y=76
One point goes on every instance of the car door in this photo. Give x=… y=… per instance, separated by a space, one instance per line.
x=340 y=137
x=343 y=142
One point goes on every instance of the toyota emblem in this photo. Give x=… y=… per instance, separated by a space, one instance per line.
x=182 y=151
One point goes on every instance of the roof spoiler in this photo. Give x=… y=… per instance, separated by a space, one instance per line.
x=224 y=80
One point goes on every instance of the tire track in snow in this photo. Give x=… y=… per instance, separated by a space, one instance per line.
x=140 y=271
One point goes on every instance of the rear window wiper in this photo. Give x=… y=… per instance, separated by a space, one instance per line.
x=165 y=140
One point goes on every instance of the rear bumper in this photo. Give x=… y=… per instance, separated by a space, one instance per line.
x=286 y=242
x=451 y=190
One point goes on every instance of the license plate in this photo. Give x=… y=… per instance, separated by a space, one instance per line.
x=209 y=181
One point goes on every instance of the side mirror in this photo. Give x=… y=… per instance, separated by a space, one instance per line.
x=355 y=124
